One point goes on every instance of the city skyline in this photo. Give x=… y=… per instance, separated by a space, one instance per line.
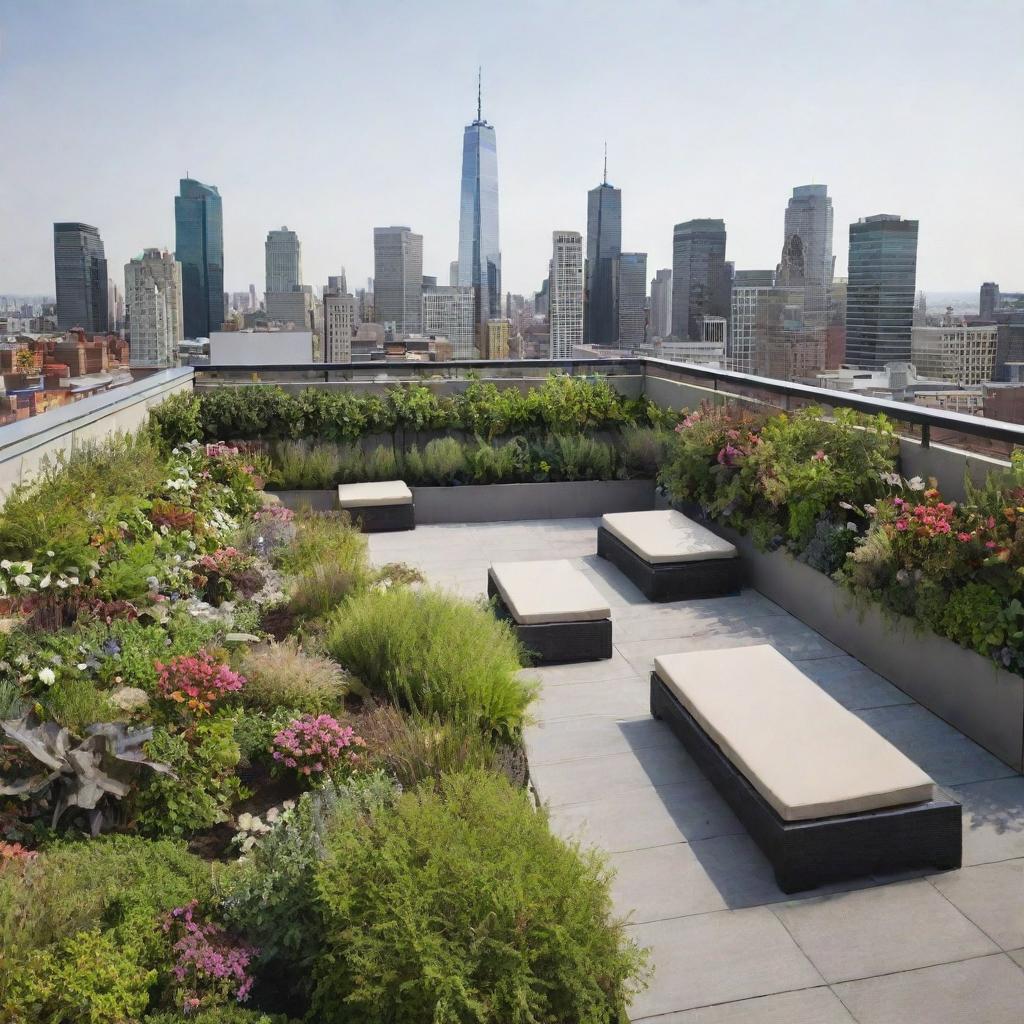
x=545 y=172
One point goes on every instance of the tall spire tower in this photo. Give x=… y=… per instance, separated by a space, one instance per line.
x=604 y=245
x=479 y=248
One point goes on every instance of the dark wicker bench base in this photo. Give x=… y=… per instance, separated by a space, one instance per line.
x=672 y=581
x=805 y=854
x=556 y=642
x=383 y=518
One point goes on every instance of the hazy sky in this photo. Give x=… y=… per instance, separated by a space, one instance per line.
x=333 y=117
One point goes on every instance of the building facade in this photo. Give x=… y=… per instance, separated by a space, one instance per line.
x=604 y=244
x=661 y=305
x=451 y=313
x=565 y=315
x=199 y=248
x=498 y=334
x=152 y=288
x=880 y=291
x=631 y=300
x=284 y=260
x=748 y=318
x=479 y=263
x=398 y=278
x=700 y=276
x=339 y=326
x=80 y=275
x=807 y=257
x=988 y=300
x=957 y=353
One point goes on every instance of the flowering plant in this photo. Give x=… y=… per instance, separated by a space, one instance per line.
x=197 y=680
x=210 y=967
x=315 y=744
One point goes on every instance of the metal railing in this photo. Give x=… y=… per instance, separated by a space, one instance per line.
x=995 y=437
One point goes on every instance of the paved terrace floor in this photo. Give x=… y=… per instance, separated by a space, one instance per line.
x=728 y=946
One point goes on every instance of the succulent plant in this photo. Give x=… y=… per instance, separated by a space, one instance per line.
x=90 y=774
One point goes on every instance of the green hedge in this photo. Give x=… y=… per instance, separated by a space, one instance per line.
x=562 y=404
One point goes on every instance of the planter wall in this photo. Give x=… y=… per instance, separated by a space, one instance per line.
x=487 y=503
x=967 y=690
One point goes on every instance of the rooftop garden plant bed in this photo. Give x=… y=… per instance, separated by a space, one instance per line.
x=829 y=492
x=246 y=776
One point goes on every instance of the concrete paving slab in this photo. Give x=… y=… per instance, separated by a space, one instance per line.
x=993 y=821
x=627 y=697
x=718 y=958
x=981 y=894
x=854 y=685
x=807 y=1006
x=988 y=990
x=566 y=739
x=878 y=931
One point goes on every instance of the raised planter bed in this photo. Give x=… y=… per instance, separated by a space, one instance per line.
x=966 y=689
x=486 y=503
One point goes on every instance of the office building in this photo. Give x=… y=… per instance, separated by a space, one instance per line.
x=338 y=282
x=451 y=313
x=880 y=291
x=955 y=352
x=498 y=334
x=661 y=305
x=807 y=257
x=604 y=244
x=339 y=325
x=700 y=276
x=284 y=260
x=479 y=248
x=453 y=273
x=565 y=292
x=988 y=300
x=630 y=300
x=152 y=288
x=80 y=273
x=748 y=318
x=199 y=248
x=398 y=278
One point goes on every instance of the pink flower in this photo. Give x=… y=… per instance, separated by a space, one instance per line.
x=901 y=524
x=965 y=537
x=819 y=456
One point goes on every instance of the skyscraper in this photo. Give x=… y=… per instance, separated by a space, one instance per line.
x=748 y=318
x=284 y=260
x=566 y=294
x=604 y=243
x=398 y=277
x=199 y=248
x=152 y=287
x=80 y=272
x=880 y=291
x=988 y=300
x=661 y=304
x=700 y=277
x=807 y=249
x=479 y=249
x=450 y=313
x=339 y=325
x=631 y=299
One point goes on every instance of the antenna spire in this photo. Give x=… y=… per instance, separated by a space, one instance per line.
x=604 y=180
x=479 y=93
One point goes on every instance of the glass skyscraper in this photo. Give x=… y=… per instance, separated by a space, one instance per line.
x=880 y=291
x=701 y=282
x=631 y=299
x=604 y=244
x=80 y=273
x=398 y=278
x=199 y=248
x=479 y=249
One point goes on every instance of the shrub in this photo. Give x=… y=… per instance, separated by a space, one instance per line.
x=283 y=675
x=406 y=891
x=229 y=1014
x=177 y=420
x=434 y=654
x=499 y=463
x=381 y=464
x=644 y=450
x=74 y=702
x=324 y=537
x=578 y=457
x=443 y=461
x=317 y=745
x=88 y=978
x=319 y=589
x=315 y=465
x=197 y=681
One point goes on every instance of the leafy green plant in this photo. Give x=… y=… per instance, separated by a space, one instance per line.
x=88 y=978
x=177 y=419
x=381 y=464
x=320 y=588
x=434 y=654
x=74 y=702
x=444 y=462
x=578 y=457
x=229 y=1014
x=405 y=890
x=643 y=450
x=324 y=537
x=499 y=463
x=282 y=675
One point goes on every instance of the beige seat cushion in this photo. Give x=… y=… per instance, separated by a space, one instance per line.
x=543 y=592
x=665 y=536
x=801 y=750
x=381 y=492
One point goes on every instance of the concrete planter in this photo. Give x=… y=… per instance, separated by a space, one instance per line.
x=487 y=503
x=967 y=690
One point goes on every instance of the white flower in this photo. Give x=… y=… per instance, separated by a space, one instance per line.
x=22 y=579
x=81 y=666
x=22 y=660
x=47 y=676
x=44 y=582
x=916 y=483
x=5 y=564
x=49 y=554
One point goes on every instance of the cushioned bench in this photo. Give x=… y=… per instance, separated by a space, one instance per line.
x=822 y=794
x=380 y=506
x=557 y=612
x=669 y=557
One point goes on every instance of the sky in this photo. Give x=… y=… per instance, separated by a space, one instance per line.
x=334 y=117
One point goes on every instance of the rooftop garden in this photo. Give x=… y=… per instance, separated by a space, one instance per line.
x=247 y=776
